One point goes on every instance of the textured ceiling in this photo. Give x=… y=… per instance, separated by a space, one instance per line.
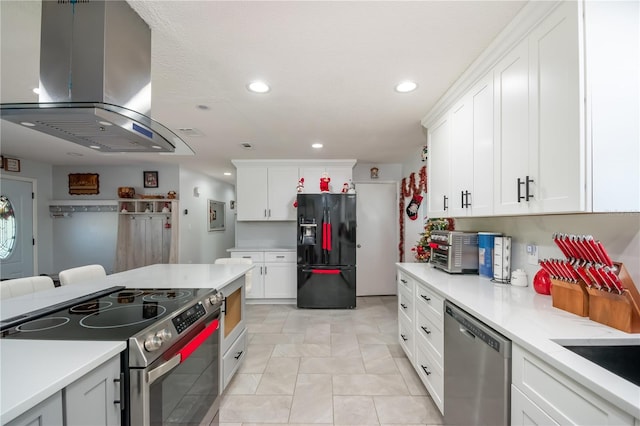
x=332 y=67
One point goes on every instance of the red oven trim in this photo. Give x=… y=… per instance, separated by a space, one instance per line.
x=190 y=347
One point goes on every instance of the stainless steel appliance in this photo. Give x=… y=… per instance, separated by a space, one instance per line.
x=455 y=252
x=326 y=251
x=170 y=369
x=477 y=371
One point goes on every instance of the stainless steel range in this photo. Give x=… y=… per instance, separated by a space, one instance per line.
x=170 y=370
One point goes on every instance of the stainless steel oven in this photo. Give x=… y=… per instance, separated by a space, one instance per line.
x=182 y=386
x=170 y=371
x=455 y=252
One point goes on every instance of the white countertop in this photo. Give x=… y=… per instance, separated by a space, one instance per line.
x=154 y=276
x=530 y=320
x=255 y=248
x=33 y=370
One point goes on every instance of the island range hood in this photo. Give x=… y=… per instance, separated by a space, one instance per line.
x=95 y=79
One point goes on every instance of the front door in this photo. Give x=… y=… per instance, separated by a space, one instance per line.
x=16 y=229
x=377 y=239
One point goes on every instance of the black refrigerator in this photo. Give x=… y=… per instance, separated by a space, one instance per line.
x=326 y=239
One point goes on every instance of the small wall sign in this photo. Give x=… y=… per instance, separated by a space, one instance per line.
x=11 y=164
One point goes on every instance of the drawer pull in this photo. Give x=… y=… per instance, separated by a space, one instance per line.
x=246 y=257
x=403 y=306
x=425 y=297
x=427 y=372
x=426 y=330
x=238 y=355
x=280 y=257
x=403 y=280
x=404 y=337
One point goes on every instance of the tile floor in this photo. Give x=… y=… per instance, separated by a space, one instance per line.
x=341 y=367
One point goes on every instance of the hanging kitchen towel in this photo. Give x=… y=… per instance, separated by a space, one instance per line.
x=414 y=205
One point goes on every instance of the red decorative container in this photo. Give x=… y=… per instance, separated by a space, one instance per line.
x=542 y=282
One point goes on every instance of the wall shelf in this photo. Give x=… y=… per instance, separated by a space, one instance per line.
x=66 y=208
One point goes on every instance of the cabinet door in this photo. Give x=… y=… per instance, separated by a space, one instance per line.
x=482 y=100
x=257 y=283
x=90 y=399
x=282 y=192
x=511 y=135
x=280 y=281
x=526 y=413
x=48 y=412
x=251 y=193
x=439 y=139
x=557 y=135
x=462 y=191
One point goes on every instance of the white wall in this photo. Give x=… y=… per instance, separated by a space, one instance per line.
x=266 y=235
x=197 y=244
x=386 y=172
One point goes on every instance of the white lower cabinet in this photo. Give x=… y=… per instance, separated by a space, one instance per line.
x=543 y=395
x=233 y=328
x=48 y=412
x=274 y=276
x=232 y=359
x=420 y=333
x=91 y=400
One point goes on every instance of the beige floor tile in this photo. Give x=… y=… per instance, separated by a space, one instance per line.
x=378 y=360
x=407 y=410
x=312 y=401
x=354 y=410
x=344 y=345
x=283 y=365
x=332 y=365
x=301 y=350
x=256 y=360
x=377 y=338
x=369 y=384
x=243 y=384
x=411 y=378
x=255 y=408
x=396 y=350
x=275 y=338
x=314 y=384
x=277 y=384
x=263 y=328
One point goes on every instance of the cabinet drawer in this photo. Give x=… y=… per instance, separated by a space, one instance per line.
x=280 y=256
x=405 y=304
x=255 y=256
x=405 y=337
x=234 y=357
x=431 y=375
x=564 y=400
x=525 y=412
x=430 y=304
x=405 y=281
x=430 y=336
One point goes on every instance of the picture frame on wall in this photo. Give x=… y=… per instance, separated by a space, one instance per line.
x=150 y=179
x=215 y=215
x=84 y=183
x=11 y=164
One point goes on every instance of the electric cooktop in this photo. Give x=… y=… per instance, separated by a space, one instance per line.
x=113 y=314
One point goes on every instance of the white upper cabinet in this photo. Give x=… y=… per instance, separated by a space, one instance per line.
x=266 y=193
x=439 y=179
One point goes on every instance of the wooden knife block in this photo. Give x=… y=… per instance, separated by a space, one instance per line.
x=621 y=311
x=570 y=297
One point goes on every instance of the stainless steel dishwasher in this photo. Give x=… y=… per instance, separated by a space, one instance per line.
x=477 y=371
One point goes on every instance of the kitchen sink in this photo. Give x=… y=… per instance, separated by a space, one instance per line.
x=621 y=358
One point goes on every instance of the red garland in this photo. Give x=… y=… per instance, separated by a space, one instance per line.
x=410 y=191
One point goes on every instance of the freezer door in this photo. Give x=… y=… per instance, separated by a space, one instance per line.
x=326 y=287
x=310 y=211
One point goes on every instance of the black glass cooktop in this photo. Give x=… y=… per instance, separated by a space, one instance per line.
x=115 y=316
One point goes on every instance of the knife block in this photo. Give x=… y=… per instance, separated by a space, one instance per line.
x=570 y=297
x=620 y=311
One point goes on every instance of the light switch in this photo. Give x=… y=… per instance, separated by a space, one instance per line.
x=532 y=254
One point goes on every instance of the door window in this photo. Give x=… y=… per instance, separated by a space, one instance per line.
x=7 y=228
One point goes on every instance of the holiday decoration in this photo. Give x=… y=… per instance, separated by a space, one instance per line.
x=422 y=251
x=414 y=205
x=409 y=192
x=345 y=188
x=352 y=187
x=324 y=182
x=299 y=190
x=425 y=153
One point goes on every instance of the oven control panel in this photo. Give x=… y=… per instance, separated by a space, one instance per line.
x=188 y=317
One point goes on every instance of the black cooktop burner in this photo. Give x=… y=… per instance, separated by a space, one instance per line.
x=115 y=316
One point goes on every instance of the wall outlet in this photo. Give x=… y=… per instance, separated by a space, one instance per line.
x=532 y=254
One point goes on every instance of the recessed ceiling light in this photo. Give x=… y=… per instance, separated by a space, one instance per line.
x=227 y=173
x=105 y=123
x=317 y=145
x=94 y=146
x=156 y=147
x=406 y=86
x=258 y=87
x=28 y=124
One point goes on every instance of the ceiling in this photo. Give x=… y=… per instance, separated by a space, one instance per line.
x=332 y=67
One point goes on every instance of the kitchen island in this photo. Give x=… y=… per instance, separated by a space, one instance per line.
x=24 y=386
x=536 y=328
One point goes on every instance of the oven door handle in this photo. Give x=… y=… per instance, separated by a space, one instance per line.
x=183 y=353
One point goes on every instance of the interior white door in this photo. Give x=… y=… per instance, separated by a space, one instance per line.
x=19 y=262
x=377 y=238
